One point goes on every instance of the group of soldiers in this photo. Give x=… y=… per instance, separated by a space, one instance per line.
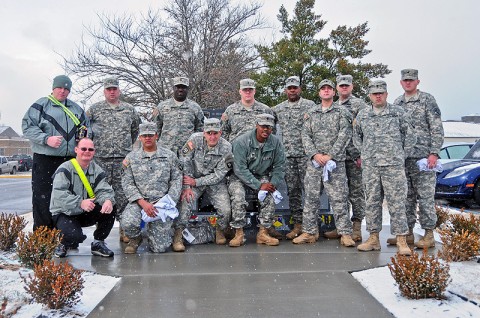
x=358 y=153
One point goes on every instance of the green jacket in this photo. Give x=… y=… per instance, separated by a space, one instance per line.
x=252 y=162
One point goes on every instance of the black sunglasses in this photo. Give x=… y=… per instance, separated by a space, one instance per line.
x=89 y=149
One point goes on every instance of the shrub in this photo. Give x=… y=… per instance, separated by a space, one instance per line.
x=420 y=277
x=33 y=248
x=56 y=286
x=442 y=216
x=459 y=222
x=10 y=227
x=459 y=245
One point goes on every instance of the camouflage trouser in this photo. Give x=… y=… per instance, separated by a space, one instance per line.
x=356 y=191
x=218 y=194
x=159 y=233
x=336 y=188
x=389 y=182
x=113 y=172
x=294 y=175
x=421 y=189
x=237 y=193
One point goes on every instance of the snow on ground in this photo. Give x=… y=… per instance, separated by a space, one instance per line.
x=95 y=288
x=381 y=285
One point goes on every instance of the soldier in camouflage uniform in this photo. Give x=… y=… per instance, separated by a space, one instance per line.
x=114 y=130
x=289 y=115
x=178 y=117
x=384 y=137
x=238 y=119
x=206 y=158
x=150 y=173
x=353 y=163
x=325 y=135
x=427 y=122
x=259 y=163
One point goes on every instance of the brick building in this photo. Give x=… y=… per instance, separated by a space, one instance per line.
x=12 y=144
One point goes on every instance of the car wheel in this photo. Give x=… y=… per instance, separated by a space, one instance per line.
x=476 y=192
x=14 y=171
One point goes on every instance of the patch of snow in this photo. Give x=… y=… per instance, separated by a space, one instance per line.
x=12 y=287
x=381 y=285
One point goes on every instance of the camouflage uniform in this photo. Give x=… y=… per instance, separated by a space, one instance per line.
x=176 y=122
x=237 y=119
x=384 y=140
x=356 y=191
x=150 y=178
x=290 y=117
x=254 y=165
x=114 y=131
x=208 y=167
x=426 y=119
x=326 y=132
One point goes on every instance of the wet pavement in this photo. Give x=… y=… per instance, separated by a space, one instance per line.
x=308 y=280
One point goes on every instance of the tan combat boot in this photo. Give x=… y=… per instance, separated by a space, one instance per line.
x=123 y=237
x=220 y=237
x=372 y=243
x=133 y=245
x=357 y=231
x=346 y=240
x=332 y=234
x=305 y=238
x=296 y=231
x=177 y=245
x=238 y=239
x=274 y=233
x=264 y=238
x=402 y=246
x=426 y=241
x=410 y=238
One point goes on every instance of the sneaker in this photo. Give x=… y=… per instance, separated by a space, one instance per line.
x=60 y=251
x=100 y=248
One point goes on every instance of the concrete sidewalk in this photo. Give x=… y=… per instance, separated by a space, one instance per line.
x=250 y=281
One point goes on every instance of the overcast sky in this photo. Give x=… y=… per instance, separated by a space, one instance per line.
x=438 y=37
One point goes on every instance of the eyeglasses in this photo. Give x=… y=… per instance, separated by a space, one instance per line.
x=148 y=135
x=89 y=149
x=266 y=126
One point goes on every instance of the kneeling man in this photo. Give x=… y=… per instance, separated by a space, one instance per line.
x=82 y=197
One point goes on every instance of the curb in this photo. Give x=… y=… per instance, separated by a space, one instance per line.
x=15 y=176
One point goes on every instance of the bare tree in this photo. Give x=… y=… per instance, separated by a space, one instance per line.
x=205 y=40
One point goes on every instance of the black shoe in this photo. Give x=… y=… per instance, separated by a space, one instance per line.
x=60 y=251
x=100 y=248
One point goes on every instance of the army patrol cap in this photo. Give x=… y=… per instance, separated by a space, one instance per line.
x=147 y=128
x=344 y=80
x=247 y=83
x=378 y=86
x=292 y=81
x=326 y=82
x=181 y=81
x=409 y=74
x=212 y=124
x=265 y=120
x=62 y=81
x=110 y=82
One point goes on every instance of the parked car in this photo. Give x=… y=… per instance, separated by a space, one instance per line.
x=460 y=179
x=454 y=150
x=25 y=162
x=8 y=166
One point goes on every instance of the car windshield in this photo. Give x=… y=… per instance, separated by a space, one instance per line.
x=474 y=153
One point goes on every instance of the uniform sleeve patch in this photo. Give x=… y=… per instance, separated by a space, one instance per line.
x=224 y=117
x=125 y=162
x=188 y=147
